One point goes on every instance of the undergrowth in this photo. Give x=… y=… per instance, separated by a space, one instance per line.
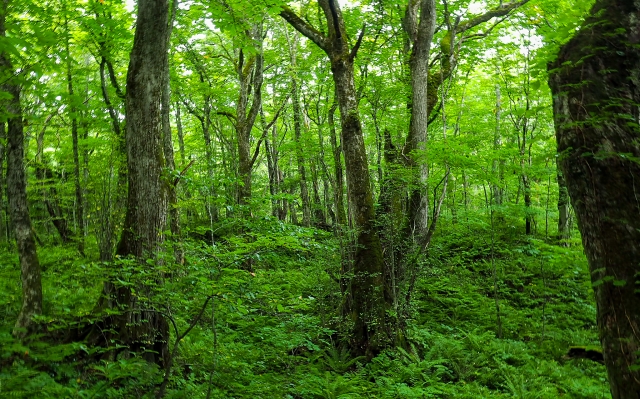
x=493 y=317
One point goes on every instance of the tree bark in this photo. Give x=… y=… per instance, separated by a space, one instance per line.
x=17 y=197
x=596 y=86
x=144 y=330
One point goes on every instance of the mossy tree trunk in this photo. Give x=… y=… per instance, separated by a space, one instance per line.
x=596 y=86
x=17 y=194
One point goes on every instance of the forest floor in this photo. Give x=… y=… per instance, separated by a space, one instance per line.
x=271 y=332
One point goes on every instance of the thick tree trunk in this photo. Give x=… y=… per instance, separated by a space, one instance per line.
x=17 y=197
x=596 y=86
x=144 y=331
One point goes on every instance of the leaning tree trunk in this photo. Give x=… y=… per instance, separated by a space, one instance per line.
x=17 y=197
x=144 y=331
x=596 y=86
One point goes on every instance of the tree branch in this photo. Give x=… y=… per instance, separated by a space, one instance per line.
x=499 y=11
x=265 y=131
x=305 y=28
x=181 y=174
x=354 y=50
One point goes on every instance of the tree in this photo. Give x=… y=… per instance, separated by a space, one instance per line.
x=596 y=93
x=367 y=285
x=144 y=330
x=17 y=192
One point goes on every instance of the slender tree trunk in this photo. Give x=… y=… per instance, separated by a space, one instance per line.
x=73 y=114
x=17 y=197
x=4 y=226
x=596 y=91
x=496 y=187
x=114 y=199
x=318 y=214
x=183 y=156
x=526 y=189
x=297 y=127
x=272 y=167
x=300 y=159
x=336 y=150
x=212 y=208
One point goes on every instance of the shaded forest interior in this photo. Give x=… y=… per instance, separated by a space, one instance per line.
x=318 y=199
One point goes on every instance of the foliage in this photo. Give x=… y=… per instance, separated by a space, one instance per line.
x=493 y=311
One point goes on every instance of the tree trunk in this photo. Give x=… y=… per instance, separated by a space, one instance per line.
x=17 y=197
x=564 y=210
x=144 y=331
x=367 y=285
x=336 y=150
x=250 y=76
x=596 y=87
x=111 y=208
x=73 y=115
x=172 y=193
x=297 y=128
x=526 y=189
x=421 y=35
x=497 y=167
x=4 y=227
x=302 y=173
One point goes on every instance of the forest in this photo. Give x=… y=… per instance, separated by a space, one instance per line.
x=319 y=199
